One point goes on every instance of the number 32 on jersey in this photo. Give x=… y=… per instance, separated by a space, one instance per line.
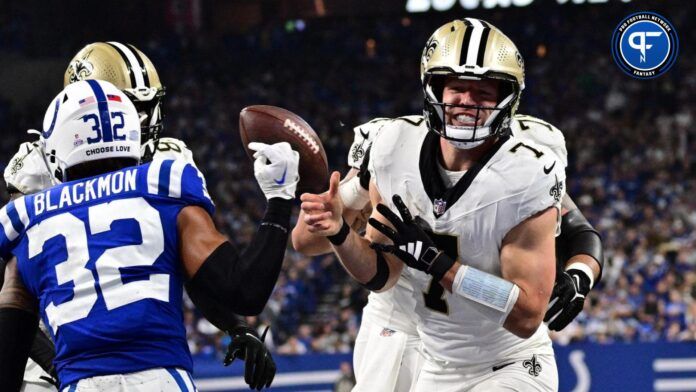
x=73 y=267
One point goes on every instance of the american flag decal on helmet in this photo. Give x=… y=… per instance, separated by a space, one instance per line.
x=86 y=101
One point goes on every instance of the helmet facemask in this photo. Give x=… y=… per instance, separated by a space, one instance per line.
x=469 y=136
x=148 y=104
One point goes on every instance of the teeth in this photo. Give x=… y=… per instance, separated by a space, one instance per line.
x=465 y=118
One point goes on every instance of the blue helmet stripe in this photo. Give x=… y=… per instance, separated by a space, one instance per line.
x=46 y=134
x=104 y=115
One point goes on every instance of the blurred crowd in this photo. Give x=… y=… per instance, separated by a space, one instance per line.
x=631 y=143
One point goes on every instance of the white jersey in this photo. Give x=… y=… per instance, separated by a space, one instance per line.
x=169 y=148
x=393 y=308
x=540 y=132
x=470 y=221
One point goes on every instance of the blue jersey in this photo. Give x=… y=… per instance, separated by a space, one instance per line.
x=102 y=256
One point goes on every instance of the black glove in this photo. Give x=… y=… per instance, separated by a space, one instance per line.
x=569 y=292
x=411 y=243
x=260 y=368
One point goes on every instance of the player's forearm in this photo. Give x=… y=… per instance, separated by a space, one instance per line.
x=356 y=256
x=311 y=244
x=589 y=261
x=371 y=268
x=307 y=243
x=498 y=300
x=526 y=315
x=263 y=259
x=243 y=283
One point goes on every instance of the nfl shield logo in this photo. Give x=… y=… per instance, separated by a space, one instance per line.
x=439 y=207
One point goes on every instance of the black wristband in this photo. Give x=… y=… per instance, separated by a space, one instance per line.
x=440 y=265
x=340 y=237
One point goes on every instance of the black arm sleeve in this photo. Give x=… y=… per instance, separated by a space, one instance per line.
x=578 y=237
x=213 y=310
x=43 y=351
x=17 y=329
x=243 y=283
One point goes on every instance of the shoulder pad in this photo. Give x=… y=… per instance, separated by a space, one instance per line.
x=541 y=132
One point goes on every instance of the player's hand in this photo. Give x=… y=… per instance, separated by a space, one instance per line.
x=275 y=168
x=411 y=243
x=259 y=368
x=567 y=298
x=323 y=213
x=27 y=172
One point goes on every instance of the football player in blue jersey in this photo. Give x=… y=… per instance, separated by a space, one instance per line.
x=104 y=255
x=132 y=72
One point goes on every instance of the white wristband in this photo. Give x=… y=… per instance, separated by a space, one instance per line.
x=584 y=268
x=491 y=295
x=354 y=196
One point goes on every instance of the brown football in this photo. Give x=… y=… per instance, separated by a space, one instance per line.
x=271 y=124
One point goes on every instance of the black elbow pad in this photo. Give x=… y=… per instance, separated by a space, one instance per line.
x=578 y=237
x=381 y=276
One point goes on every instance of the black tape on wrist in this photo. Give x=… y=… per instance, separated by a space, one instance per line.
x=440 y=265
x=381 y=276
x=340 y=237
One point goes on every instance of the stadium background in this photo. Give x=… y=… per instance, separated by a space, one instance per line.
x=338 y=63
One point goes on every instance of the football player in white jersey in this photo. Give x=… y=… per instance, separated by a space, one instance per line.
x=132 y=72
x=386 y=355
x=484 y=274
x=386 y=350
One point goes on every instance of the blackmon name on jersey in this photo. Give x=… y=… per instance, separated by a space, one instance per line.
x=102 y=256
x=517 y=179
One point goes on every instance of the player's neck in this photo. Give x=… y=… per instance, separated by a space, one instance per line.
x=456 y=159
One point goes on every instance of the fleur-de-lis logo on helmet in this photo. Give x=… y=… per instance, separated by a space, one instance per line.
x=429 y=49
x=80 y=69
x=533 y=366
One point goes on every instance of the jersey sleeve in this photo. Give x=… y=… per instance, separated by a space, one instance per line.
x=194 y=190
x=364 y=136
x=542 y=132
x=545 y=190
x=169 y=148
x=179 y=179
x=14 y=220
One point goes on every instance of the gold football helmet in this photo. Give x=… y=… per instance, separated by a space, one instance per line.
x=471 y=49
x=130 y=71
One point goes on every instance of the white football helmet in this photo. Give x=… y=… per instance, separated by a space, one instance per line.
x=89 y=120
